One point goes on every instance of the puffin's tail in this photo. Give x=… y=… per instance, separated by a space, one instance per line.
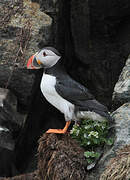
x=94 y=106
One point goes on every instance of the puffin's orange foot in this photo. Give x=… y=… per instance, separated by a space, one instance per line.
x=56 y=131
x=60 y=131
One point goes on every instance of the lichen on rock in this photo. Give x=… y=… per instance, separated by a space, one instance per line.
x=122 y=88
x=122 y=124
x=26 y=27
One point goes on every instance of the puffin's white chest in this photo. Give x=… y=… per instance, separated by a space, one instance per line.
x=48 y=83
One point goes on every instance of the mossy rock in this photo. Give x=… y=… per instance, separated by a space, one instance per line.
x=60 y=157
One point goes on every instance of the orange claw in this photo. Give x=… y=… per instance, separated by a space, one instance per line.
x=60 y=131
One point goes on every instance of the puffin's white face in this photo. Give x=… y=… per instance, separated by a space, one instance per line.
x=44 y=58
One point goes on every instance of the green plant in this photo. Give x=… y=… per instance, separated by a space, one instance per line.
x=91 y=134
x=91 y=155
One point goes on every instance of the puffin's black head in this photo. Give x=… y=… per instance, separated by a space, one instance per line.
x=45 y=58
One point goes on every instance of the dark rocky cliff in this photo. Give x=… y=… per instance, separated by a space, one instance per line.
x=94 y=39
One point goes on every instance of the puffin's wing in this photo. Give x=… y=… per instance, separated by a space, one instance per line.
x=80 y=96
x=72 y=91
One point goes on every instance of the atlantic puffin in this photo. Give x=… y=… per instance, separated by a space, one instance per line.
x=64 y=93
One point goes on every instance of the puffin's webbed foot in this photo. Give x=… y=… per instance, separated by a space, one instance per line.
x=60 y=131
x=56 y=131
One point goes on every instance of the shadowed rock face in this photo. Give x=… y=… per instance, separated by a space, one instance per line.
x=7 y=164
x=10 y=120
x=29 y=176
x=94 y=42
x=98 y=49
x=10 y=124
x=20 y=82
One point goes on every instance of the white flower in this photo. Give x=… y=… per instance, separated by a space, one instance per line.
x=85 y=135
x=77 y=132
x=103 y=127
x=72 y=131
x=93 y=133
x=87 y=127
x=88 y=143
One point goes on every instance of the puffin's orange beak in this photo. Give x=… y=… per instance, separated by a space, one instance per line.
x=30 y=63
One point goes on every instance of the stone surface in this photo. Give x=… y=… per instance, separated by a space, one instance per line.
x=122 y=125
x=80 y=18
x=24 y=28
x=94 y=39
x=24 y=31
x=10 y=125
x=20 y=82
x=50 y=6
x=98 y=46
x=7 y=163
x=98 y=22
x=29 y=176
x=121 y=92
x=6 y=139
x=10 y=119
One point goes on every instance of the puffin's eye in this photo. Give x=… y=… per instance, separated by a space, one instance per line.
x=44 y=54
